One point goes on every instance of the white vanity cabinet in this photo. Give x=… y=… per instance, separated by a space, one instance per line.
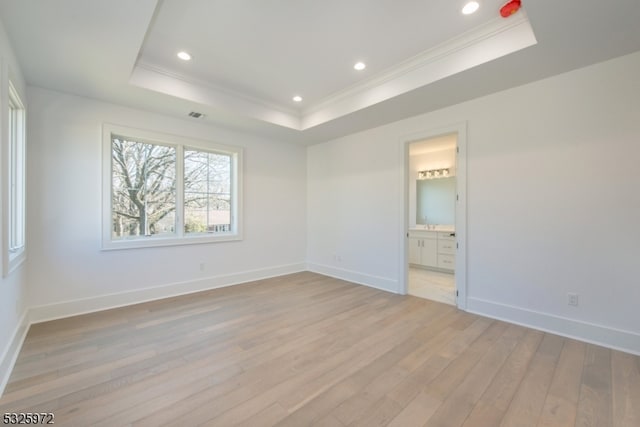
x=433 y=249
x=423 y=248
x=447 y=250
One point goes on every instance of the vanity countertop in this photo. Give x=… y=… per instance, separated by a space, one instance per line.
x=449 y=228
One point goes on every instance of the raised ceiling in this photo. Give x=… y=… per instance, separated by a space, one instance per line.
x=249 y=57
x=273 y=50
x=252 y=57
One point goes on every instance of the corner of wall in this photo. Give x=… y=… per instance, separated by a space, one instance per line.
x=376 y=282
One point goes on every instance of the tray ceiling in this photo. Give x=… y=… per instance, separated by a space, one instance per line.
x=250 y=57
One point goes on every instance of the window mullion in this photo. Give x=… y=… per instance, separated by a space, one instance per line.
x=179 y=191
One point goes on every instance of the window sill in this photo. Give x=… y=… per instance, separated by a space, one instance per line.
x=13 y=261
x=155 y=242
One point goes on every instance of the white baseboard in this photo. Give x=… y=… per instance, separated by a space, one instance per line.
x=12 y=350
x=382 y=283
x=60 y=310
x=616 y=339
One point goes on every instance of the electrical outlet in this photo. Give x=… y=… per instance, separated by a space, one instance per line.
x=572 y=299
x=202 y=266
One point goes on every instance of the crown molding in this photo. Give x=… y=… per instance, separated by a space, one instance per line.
x=220 y=88
x=487 y=42
x=424 y=58
x=152 y=77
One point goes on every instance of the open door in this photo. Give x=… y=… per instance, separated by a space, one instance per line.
x=434 y=262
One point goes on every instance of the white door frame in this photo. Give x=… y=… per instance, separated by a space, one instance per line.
x=460 y=129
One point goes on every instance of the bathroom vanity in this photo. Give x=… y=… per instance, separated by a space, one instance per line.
x=434 y=249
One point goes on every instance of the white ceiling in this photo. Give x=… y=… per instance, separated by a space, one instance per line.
x=251 y=56
x=272 y=50
x=431 y=145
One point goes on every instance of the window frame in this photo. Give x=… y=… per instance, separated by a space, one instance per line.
x=180 y=144
x=14 y=152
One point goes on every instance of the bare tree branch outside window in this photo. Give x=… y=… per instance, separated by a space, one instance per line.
x=144 y=190
x=207 y=192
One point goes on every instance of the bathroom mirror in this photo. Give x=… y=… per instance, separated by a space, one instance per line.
x=436 y=201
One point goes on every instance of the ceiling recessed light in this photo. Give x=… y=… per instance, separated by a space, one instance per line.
x=297 y=98
x=360 y=66
x=184 y=56
x=470 y=7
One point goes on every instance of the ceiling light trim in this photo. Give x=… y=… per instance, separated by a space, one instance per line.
x=184 y=55
x=359 y=66
x=470 y=8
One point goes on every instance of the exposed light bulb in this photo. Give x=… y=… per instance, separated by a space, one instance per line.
x=184 y=56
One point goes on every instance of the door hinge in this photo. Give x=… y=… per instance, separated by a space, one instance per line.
x=456 y=245
x=457 y=197
x=457 y=149
x=456 y=293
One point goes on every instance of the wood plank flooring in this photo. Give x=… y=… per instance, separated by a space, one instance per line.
x=305 y=349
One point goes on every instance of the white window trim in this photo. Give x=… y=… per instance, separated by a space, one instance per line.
x=180 y=143
x=12 y=258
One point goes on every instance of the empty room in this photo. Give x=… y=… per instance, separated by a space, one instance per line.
x=320 y=213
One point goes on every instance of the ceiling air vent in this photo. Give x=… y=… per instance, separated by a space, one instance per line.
x=196 y=115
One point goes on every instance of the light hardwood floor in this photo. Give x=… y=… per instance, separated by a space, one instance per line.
x=305 y=349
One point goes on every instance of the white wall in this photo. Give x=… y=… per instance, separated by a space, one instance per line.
x=13 y=287
x=553 y=202
x=68 y=273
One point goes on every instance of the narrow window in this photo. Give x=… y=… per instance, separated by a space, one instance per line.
x=15 y=198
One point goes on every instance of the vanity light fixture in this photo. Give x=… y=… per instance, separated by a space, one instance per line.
x=470 y=7
x=433 y=173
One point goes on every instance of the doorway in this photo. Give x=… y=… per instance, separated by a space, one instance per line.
x=435 y=216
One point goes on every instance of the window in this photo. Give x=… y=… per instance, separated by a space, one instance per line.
x=15 y=177
x=167 y=190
